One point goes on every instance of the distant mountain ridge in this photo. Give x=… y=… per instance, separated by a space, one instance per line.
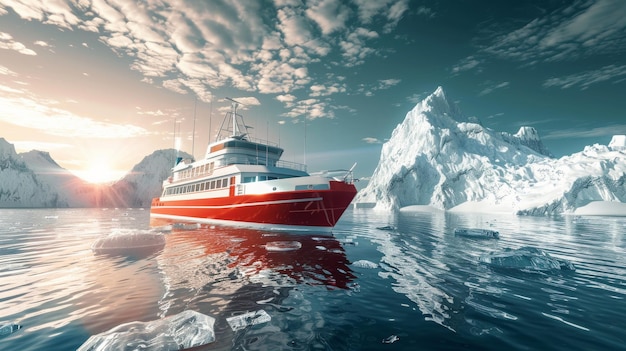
x=438 y=158
x=34 y=180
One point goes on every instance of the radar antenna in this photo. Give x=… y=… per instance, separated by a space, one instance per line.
x=233 y=125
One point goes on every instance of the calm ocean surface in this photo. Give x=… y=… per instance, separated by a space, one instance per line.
x=414 y=287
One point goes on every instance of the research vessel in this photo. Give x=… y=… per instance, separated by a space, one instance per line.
x=242 y=181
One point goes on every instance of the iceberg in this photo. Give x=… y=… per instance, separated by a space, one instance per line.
x=438 y=158
x=177 y=332
x=477 y=233
x=528 y=259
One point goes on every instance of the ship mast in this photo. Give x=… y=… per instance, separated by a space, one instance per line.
x=233 y=123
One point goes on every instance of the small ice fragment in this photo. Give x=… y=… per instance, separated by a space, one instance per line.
x=162 y=229
x=177 y=332
x=477 y=233
x=186 y=226
x=7 y=328
x=283 y=246
x=247 y=319
x=391 y=339
x=364 y=264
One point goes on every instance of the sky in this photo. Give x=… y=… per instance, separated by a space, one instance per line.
x=100 y=84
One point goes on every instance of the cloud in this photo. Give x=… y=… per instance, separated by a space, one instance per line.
x=466 y=64
x=326 y=90
x=493 y=86
x=200 y=46
x=580 y=29
x=310 y=109
x=354 y=46
x=19 y=108
x=56 y=13
x=585 y=79
x=7 y=72
x=329 y=15
x=390 y=10
x=371 y=140
x=387 y=83
x=605 y=131
x=383 y=84
x=7 y=42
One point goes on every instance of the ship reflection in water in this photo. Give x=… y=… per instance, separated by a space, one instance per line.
x=227 y=272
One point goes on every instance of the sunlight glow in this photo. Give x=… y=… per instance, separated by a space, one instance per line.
x=99 y=173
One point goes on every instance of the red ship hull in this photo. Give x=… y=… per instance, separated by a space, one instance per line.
x=294 y=210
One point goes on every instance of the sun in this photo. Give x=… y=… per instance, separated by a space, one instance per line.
x=99 y=173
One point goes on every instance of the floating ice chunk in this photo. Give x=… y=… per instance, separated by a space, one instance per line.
x=181 y=331
x=283 y=246
x=247 y=319
x=477 y=233
x=391 y=339
x=364 y=264
x=526 y=259
x=7 y=328
x=186 y=226
x=124 y=242
x=162 y=229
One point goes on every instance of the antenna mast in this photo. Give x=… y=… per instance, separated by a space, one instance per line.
x=193 y=136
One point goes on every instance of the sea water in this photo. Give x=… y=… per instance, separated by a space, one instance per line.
x=380 y=281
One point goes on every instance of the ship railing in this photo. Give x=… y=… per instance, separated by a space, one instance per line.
x=261 y=161
x=235 y=160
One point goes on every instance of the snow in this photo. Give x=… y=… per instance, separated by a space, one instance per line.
x=439 y=159
x=618 y=143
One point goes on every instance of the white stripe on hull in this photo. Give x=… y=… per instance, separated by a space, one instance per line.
x=263 y=226
x=248 y=204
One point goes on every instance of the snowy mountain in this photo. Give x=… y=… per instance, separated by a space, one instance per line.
x=19 y=185
x=34 y=179
x=71 y=190
x=437 y=158
x=145 y=180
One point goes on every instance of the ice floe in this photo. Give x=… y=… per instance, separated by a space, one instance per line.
x=277 y=246
x=129 y=242
x=365 y=264
x=527 y=258
x=247 y=319
x=7 y=328
x=177 y=332
x=477 y=233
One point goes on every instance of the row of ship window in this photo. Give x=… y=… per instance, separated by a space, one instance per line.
x=192 y=188
x=196 y=171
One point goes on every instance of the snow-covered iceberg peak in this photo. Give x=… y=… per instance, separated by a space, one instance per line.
x=529 y=137
x=618 y=143
x=437 y=158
